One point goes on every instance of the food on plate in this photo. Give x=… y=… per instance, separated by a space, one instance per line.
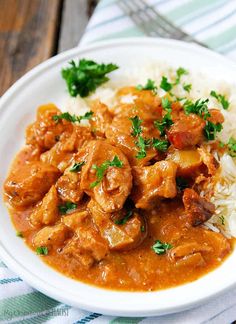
x=132 y=186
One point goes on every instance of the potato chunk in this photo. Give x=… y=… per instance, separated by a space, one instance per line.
x=188 y=161
x=28 y=184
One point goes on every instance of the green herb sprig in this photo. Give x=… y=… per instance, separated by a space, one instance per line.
x=72 y=118
x=124 y=220
x=136 y=126
x=221 y=99
x=100 y=170
x=150 y=85
x=77 y=166
x=42 y=250
x=84 y=77
x=198 y=107
x=160 y=247
x=211 y=129
x=67 y=207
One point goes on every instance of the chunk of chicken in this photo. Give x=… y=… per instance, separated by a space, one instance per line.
x=61 y=153
x=51 y=236
x=74 y=220
x=45 y=132
x=119 y=237
x=198 y=209
x=209 y=160
x=87 y=245
x=116 y=184
x=47 y=211
x=101 y=118
x=154 y=182
x=119 y=134
x=216 y=116
x=186 y=132
x=145 y=104
x=28 y=184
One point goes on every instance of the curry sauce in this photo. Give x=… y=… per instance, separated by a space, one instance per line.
x=118 y=203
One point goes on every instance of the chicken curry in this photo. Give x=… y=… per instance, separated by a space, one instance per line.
x=118 y=202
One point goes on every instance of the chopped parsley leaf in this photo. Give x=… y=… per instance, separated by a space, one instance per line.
x=42 y=250
x=136 y=126
x=221 y=99
x=160 y=145
x=19 y=234
x=166 y=104
x=165 y=85
x=142 y=228
x=143 y=144
x=199 y=108
x=72 y=118
x=232 y=146
x=187 y=87
x=180 y=71
x=150 y=85
x=77 y=167
x=84 y=77
x=67 y=207
x=166 y=122
x=222 y=219
x=160 y=247
x=211 y=129
x=100 y=170
x=124 y=219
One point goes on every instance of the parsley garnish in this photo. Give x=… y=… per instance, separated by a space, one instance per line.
x=43 y=250
x=199 y=108
x=142 y=228
x=125 y=219
x=166 y=122
x=187 y=87
x=160 y=247
x=100 y=170
x=211 y=129
x=232 y=146
x=67 y=207
x=143 y=144
x=136 y=126
x=150 y=85
x=166 y=104
x=180 y=71
x=77 y=167
x=84 y=77
x=221 y=99
x=165 y=85
x=72 y=118
x=160 y=145
x=19 y=234
x=222 y=219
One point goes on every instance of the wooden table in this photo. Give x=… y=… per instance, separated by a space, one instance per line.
x=31 y=31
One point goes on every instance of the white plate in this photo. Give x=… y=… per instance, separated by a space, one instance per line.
x=17 y=108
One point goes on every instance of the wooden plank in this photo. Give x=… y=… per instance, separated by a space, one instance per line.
x=74 y=21
x=28 y=31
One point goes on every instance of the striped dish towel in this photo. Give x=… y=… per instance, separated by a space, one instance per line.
x=212 y=22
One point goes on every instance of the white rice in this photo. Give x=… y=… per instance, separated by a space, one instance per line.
x=224 y=196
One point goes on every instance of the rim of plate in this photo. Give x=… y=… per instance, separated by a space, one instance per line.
x=145 y=303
